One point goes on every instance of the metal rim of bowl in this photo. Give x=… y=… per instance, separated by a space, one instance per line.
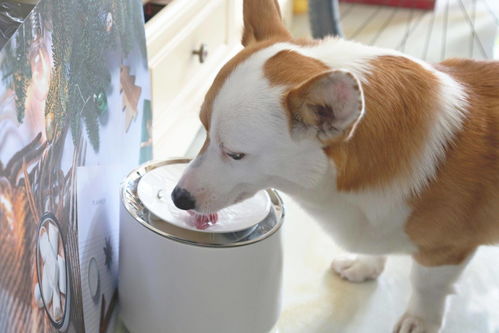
x=57 y=324
x=202 y=239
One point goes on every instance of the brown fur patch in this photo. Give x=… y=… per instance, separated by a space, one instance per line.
x=400 y=103
x=262 y=21
x=289 y=68
x=460 y=209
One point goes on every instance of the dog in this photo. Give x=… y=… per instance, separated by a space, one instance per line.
x=388 y=153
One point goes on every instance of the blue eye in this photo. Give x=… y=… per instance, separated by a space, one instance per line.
x=236 y=156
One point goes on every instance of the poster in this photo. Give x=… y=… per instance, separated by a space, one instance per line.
x=74 y=119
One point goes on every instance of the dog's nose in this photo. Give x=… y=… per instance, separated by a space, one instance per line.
x=183 y=199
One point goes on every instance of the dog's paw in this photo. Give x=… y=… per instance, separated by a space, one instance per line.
x=358 y=268
x=413 y=324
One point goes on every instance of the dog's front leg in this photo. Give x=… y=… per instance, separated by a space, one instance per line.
x=431 y=286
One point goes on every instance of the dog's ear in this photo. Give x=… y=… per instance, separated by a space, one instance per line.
x=328 y=105
x=262 y=21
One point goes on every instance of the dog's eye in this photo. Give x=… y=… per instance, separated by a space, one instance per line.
x=236 y=156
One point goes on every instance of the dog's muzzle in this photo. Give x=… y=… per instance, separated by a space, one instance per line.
x=183 y=199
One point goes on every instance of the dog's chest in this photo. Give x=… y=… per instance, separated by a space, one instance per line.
x=371 y=223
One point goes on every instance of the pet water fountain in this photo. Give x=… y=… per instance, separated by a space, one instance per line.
x=179 y=276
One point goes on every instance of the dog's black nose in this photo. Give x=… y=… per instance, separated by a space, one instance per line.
x=183 y=199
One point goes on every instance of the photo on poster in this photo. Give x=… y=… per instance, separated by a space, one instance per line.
x=74 y=86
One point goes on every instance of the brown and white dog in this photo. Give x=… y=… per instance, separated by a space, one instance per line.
x=389 y=154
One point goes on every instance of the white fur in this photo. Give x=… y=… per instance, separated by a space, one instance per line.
x=347 y=55
x=449 y=120
x=431 y=286
x=358 y=268
x=248 y=117
x=369 y=222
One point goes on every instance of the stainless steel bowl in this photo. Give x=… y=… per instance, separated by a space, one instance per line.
x=136 y=208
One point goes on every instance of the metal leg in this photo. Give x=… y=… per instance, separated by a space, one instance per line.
x=324 y=18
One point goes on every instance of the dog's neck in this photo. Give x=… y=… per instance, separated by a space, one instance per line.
x=319 y=188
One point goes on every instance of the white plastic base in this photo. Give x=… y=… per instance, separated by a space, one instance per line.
x=171 y=287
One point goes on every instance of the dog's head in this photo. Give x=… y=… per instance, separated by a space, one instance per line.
x=268 y=115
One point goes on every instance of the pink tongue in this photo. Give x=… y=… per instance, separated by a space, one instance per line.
x=203 y=221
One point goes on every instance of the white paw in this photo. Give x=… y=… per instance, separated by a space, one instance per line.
x=413 y=324
x=358 y=268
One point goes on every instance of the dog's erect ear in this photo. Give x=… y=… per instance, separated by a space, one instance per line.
x=328 y=105
x=262 y=21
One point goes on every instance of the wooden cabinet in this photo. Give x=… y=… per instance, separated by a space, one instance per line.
x=188 y=41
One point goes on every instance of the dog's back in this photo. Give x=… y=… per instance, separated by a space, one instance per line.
x=461 y=206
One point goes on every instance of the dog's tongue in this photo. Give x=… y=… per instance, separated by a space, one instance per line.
x=203 y=221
